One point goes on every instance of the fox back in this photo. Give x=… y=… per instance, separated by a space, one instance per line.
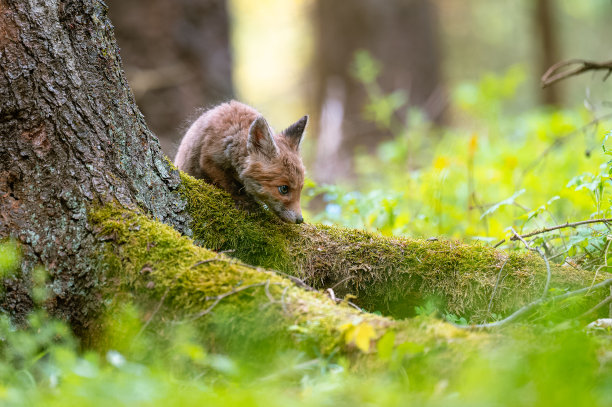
x=233 y=146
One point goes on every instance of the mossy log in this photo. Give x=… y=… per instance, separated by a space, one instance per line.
x=236 y=307
x=248 y=311
x=387 y=274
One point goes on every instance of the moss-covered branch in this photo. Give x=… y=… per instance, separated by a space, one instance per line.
x=236 y=307
x=390 y=275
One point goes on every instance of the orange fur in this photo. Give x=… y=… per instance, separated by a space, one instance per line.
x=233 y=147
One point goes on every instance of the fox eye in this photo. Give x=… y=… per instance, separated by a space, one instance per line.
x=283 y=189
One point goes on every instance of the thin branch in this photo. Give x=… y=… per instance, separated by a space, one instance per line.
x=270 y=297
x=352 y=304
x=297 y=281
x=496 y=285
x=598 y=306
x=536 y=303
x=605 y=261
x=499 y=243
x=342 y=281
x=217 y=299
x=565 y=69
x=537 y=250
x=155 y=311
x=565 y=225
x=332 y=295
x=216 y=258
x=559 y=141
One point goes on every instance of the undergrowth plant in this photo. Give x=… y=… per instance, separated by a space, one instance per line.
x=42 y=364
x=490 y=171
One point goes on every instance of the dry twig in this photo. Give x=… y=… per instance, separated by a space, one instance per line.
x=565 y=69
x=537 y=250
x=565 y=225
x=536 y=303
x=598 y=306
x=496 y=284
x=217 y=299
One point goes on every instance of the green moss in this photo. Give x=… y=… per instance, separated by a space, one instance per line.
x=256 y=238
x=386 y=274
x=156 y=268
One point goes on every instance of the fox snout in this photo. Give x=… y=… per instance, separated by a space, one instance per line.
x=290 y=216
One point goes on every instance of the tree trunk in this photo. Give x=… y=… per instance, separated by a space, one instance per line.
x=402 y=35
x=548 y=55
x=177 y=59
x=71 y=138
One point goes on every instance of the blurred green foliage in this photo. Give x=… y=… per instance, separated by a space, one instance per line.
x=488 y=172
x=538 y=365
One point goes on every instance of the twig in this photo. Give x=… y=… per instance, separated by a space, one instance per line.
x=216 y=258
x=342 y=281
x=556 y=73
x=217 y=299
x=605 y=261
x=296 y=280
x=565 y=225
x=598 y=306
x=496 y=285
x=352 y=304
x=559 y=141
x=534 y=304
x=499 y=243
x=283 y=303
x=267 y=287
x=157 y=308
x=537 y=250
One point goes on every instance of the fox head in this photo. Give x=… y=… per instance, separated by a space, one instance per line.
x=274 y=173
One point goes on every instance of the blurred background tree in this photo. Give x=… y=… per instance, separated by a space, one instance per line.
x=287 y=57
x=403 y=37
x=177 y=58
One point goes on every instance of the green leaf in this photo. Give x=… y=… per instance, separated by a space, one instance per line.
x=508 y=201
x=385 y=345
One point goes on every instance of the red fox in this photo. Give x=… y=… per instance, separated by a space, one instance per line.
x=232 y=146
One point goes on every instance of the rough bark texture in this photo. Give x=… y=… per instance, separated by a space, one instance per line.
x=70 y=137
x=402 y=35
x=177 y=58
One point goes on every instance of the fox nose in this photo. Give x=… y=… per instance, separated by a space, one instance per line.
x=299 y=220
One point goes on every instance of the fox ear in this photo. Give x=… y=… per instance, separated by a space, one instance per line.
x=295 y=132
x=261 y=138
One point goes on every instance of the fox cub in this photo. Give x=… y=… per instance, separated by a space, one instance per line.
x=232 y=146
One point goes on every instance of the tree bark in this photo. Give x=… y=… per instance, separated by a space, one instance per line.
x=71 y=138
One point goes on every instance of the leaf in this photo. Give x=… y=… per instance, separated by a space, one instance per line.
x=410 y=348
x=364 y=333
x=508 y=201
x=360 y=335
x=385 y=345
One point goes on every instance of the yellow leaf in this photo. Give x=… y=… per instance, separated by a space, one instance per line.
x=362 y=335
x=441 y=163
x=473 y=144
